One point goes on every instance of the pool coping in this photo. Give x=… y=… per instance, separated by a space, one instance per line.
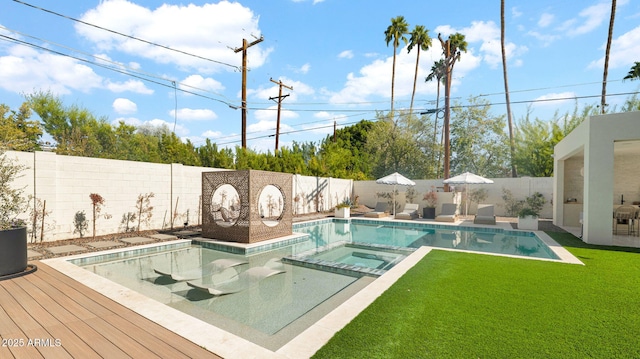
x=229 y=345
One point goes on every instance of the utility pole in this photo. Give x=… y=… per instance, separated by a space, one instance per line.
x=279 y=98
x=245 y=46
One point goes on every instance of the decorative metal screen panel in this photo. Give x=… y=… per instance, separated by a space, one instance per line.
x=240 y=206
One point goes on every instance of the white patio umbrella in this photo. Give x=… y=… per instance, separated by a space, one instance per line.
x=395 y=179
x=467 y=178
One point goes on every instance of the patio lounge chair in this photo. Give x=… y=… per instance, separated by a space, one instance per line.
x=625 y=215
x=410 y=211
x=211 y=268
x=485 y=215
x=379 y=211
x=245 y=280
x=448 y=213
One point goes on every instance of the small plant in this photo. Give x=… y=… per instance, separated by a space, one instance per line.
x=478 y=195
x=80 y=223
x=411 y=194
x=12 y=202
x=38 y=214
x=431 y=198
x=346 y=203
x=536 y=202
x=97 y=201
x=511 y=205
x=127 y=221
x=145 y=209
x=526 y=211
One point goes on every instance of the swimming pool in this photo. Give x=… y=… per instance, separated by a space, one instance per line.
x=415 y=234
x=316 y=271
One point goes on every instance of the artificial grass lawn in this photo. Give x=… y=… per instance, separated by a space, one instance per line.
x=461 y=305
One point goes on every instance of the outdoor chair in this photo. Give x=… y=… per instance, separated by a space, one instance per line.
x=625 y=214
x=379 y=211
x=485 y=215
x=410 y=211
x=448 y=213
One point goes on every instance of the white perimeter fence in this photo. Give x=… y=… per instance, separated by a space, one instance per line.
x=65 y=183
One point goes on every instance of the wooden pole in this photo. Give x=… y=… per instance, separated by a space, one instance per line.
x=245 y=46
x=279 y=98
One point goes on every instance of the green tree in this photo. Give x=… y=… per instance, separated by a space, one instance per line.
x=634 y=73
x=478 y=141
x=395 y=32
x=75 y=130
x=421 y=40
x=438 y=72
x=17 y=131
x=534 y=152
x=452 y=48
x=393 y=147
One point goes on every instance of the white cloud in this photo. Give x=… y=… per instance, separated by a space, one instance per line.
x=374 y=79
x=211 y=134
x=124 y=106
x=588 y=19
x=135 y=86
x=488 y=35
x=554 y=99
x=205 y=30
x=346 y=54
x=624 y=51
x=299 y=88
x=188 y=114
x=545 y=19
x=199 y=82
x=271 y=114
x=515 y=12
x=304 y=69
x=24 y=70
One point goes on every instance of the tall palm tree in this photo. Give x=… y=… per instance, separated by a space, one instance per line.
x=437 y=73
x=420 y=38
x=451 y=49
x=512 y=144
x=395 y=32
x=634 y=73
x=603 y=101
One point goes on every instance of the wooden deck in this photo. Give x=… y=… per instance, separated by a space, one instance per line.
x=49 y=315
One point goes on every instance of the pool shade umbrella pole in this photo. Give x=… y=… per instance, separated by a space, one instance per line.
x=395 y=179
x=466 y=179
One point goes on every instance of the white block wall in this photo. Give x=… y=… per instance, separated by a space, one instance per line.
x=65 y=183
x=519 y=187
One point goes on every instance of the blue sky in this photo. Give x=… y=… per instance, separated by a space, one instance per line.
x=332 y=52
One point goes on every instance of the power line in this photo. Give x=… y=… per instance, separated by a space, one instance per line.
x=118 y=69
x=127 y=36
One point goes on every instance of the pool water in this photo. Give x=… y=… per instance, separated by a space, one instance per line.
x=415 y=235
x=307 y=276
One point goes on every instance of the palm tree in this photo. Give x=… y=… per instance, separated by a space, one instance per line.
x=395 y=32
x=634 y=73
x=420 y=38
x=512 y=144
x=451 y=49
x=603 y=101
x=438 y=73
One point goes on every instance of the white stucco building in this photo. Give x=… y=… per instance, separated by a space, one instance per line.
x=596 y=167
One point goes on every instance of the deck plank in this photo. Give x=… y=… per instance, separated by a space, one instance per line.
x=50 y=305
x=158 y=336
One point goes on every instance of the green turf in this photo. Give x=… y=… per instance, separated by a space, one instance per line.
x=461 y=305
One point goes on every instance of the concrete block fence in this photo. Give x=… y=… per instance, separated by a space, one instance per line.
x=520 y=188
x=65 y=183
